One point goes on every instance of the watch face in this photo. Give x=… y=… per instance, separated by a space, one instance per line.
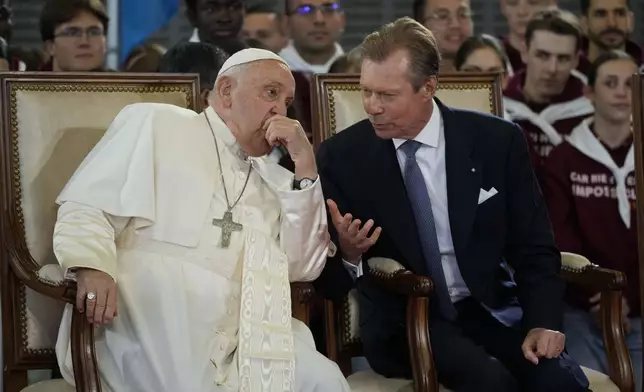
x=305 y=183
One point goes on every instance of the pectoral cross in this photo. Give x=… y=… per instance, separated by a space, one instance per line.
x=227 y=227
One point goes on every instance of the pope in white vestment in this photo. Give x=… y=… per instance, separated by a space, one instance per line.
x=203 y=300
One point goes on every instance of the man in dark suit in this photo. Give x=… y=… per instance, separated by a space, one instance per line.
x=454 y=197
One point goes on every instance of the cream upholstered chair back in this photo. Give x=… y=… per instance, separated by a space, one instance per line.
x=49 y=124
x=337 y=99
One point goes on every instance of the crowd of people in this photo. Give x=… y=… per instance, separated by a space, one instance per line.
x=570 y=188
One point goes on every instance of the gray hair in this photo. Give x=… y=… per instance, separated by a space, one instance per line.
x=235 y=72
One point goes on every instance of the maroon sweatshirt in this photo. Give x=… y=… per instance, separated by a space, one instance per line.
x=554 y=120
x=582 y=197
x=631 y=48
x=514 y=56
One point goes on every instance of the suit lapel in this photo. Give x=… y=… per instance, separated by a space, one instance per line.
x=463 y=177
x=394 y=211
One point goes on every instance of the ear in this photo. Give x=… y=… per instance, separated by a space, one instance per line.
x=589 y=93
x=49 y=47
x=205 y=98
x=192 y=18
x=429 y=88
x=283 y=26
x=576 y=60
x=343 y=21
x=583 y=23
x=630 y=22
x=502 y=6
x=524 y=53
x=224 y=91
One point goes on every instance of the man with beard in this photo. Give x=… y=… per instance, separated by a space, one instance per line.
x=546 y=99
x=217 y=22
x=315 y=26
x=607 y=25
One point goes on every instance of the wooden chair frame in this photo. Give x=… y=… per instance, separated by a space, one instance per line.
x=638 y=129
x=18 y=269
x=341 y=348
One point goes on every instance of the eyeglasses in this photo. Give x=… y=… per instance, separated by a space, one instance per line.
x=309 y=9
x=78 y=33
x=218 y=6
x=443 y=18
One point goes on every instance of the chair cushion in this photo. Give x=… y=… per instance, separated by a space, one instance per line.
x=58 y=385
x=370 y=381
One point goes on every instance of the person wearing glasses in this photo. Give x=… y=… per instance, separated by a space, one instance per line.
x=74 y=33
x=451 y=23
x=315 y=27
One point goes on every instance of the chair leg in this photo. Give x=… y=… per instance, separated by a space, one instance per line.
x=14 y=380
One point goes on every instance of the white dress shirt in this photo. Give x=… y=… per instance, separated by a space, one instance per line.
x=195 y=36
x=431 y=159
x=297 y=63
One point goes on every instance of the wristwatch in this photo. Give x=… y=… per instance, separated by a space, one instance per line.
x=302 y=184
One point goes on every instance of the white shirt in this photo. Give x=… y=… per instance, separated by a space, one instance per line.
x=431 y=159
x=195 y=36
x=297 y=63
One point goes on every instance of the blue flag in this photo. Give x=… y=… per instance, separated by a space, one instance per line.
x=138 y=19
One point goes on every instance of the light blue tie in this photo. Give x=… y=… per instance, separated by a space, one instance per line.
x=422 y=207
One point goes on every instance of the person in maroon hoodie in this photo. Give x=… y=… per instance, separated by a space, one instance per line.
x=518 y=13
x=547 y=99
x=589 y=186
x=607 y=25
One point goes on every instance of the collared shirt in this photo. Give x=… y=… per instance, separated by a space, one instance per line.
x=431 y=159
x=297 y=63
x=195 y=36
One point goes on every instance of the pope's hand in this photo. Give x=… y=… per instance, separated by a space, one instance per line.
x=289 y=133
x=100 y=305
x=354 y=241
x=541 y=342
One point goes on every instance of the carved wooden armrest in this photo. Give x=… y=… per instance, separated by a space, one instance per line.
x=54 y=284
x=392 y=276
x=301 y=295
x=579 y=270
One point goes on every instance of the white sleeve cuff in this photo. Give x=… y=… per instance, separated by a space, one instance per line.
x=354 y=270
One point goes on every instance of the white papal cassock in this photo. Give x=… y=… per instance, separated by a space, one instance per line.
x=193 y=316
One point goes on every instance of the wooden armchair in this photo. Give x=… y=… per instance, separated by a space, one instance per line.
x=337 y=103
x=49 y=123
